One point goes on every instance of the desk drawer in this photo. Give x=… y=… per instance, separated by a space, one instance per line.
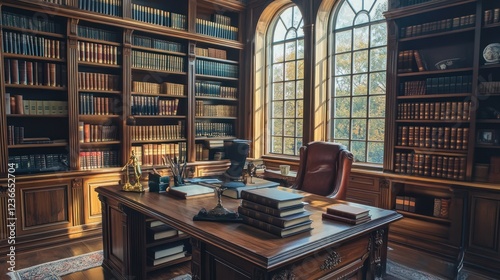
x=364 y=183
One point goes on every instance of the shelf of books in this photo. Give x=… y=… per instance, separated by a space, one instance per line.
x=159 y=102
x=165 y=246
x=34 y=56
x=99 y=95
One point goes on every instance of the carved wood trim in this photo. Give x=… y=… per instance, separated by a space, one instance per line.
x=284 y=274
x=77 y=196
x=331 y=261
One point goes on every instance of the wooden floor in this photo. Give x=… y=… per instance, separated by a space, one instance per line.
x=402 y=255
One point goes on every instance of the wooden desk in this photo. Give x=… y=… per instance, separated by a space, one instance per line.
x=239 y=251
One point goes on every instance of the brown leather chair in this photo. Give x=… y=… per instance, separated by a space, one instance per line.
x=324 y=169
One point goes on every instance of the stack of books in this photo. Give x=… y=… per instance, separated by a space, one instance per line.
x=274 y=210
x=157 y=230
x=347 y=213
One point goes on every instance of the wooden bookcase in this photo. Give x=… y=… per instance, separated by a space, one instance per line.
x=442 y=97
x=121 y=75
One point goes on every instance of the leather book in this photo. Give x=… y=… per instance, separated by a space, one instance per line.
x=273 y=197
x=282 y=222
x=282 y=232
x=344 y=219
x=348 y=211
x=272 y=211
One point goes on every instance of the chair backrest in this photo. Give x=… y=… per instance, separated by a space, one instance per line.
x=324 y=169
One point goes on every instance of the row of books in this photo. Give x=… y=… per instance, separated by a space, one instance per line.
x=277 y=211
x=448 y=167
x=214 y=89
x=453 y=138
x=438 y=26
x=157 y=61
x=214 y=68
x=15 y=136
x=492 y=16
x=97 y=53
x=157 y=132
x=23 y=72
x=160 y=254
x=347 y=214
x=107 y=7
x=425 y=205
x=91 y=104
x=166 y=88
x=89 y=133
x=98 y=34
x=33 y=45
x=99 y=158
x=18 y=105
x=449 y=84
x=157 y=154
x=44 y=24
x=153 y=106
x=410 y=60
x=489 y=87
x=58 y=2
x=201 y=152
x=213 y=129
x=214 y=29
x=210 y=110
x=159 y=17
x=434 y=111
x=39 y=162
x=211 y=52
x=158 y=44
x=98 y=81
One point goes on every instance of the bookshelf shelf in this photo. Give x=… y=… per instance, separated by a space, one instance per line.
x=30 y=146
x=149 y=70
x=33 y=57
x=110 y=92
x=58 y=116
x=217 y=59
x=158 y=141
x=434 y=96
x=159 y=117
x=160 y=95
x=98 y=144
x=217 y=118
x=103 y=42
x=424 y=217
x=209 y=77
x=99 y=65
x=446 y=33
x=458 y=122
x=45 y=34
x=435 y=72
x=36 y=87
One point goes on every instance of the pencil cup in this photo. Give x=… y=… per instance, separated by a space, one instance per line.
x=284 y=169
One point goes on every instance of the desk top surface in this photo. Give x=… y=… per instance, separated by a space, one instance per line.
x=255 y=245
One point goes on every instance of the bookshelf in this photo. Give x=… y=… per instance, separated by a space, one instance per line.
x=107 y=77
x=439 y=88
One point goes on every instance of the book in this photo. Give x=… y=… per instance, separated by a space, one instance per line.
x=347 y=211
x=283 y=212
x=166 y=250
x=344 y=219
x=160 y=232
x=273 y=197
x=191 y=191
x=155 y=223
x=282 y=222
x=282 y=232
x=166 y=259
x=258 y=184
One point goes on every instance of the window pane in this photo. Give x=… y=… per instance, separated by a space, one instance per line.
x=378 y=58
x=289 y=109
x=342 y=86
x=278 y=72
x=290 y=71
x=300 y=49
x=277 y=91
x=277 y=111
x=359 y=109
x=377 y=106
x=277 y=145
x=359 y=84
x=277 y=128
x=342 y=107
x=343 y=42
x=343 y=64
x=360 y=63
x=345 y=16
x=358 y=129
x=358 y=149
x=279 y=32
x=289 y=146
x=376 y=129
x=298 y=144
x=287 y=17
x=290 y=51
x=361 y=37
x=341 y=128
x=300 y=69
x=291 y=34
x=379 y=8
x=377 y=83
x=297 y=17
x=300 y=89
x=290 y=90
x=289 y=128
x=299 y=129
x=300 y=109
x=278 y=55
x=356 y=4
x=378 y=35
x=375 y=152
x=361 y=18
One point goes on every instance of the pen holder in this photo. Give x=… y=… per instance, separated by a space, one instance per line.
x=178 y=181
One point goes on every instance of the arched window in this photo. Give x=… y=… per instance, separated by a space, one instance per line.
x=285 y=87
x=358 y=83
